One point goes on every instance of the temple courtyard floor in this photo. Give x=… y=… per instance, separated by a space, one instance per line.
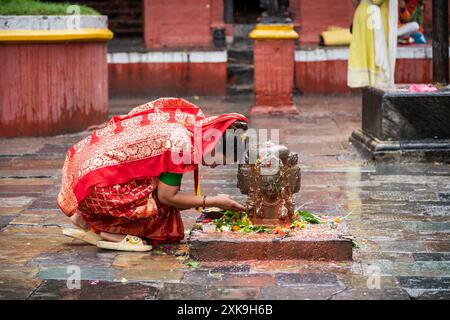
x=400 y=218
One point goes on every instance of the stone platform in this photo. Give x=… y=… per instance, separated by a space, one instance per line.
x=320 y=243
x=415 y=150
x=400 y=125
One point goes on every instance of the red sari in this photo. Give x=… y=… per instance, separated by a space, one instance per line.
x=110 y=177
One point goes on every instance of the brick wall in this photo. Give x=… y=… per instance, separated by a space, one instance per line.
x=315 y=16
x=167 y=73
x=180 y=23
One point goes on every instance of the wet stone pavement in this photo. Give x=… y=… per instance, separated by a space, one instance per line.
x=400 y=217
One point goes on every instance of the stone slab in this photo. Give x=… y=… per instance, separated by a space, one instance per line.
x=296 y=279
x=235 y=246
x=372 y=294
x=94 y=290
x=306 y=292
x=418 y=282
x=208 y=277
x=176 y=291
x=429 y=294
x=431 y=256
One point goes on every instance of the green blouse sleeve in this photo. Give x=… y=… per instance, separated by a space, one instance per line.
x=172 y=179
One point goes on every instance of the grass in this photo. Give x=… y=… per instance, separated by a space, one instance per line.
x=36 y=7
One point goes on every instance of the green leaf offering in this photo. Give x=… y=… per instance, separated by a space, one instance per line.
x=193 y=264
x=240 y=222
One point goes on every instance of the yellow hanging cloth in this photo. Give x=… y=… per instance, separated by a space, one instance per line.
x=336 y=36
x=197 y=187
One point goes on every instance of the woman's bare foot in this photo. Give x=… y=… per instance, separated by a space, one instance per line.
x=114 y=237
x=79 y=222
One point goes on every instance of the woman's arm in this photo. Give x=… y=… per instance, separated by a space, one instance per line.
x=171 y=195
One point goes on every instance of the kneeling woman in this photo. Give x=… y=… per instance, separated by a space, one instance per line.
x=121 y=184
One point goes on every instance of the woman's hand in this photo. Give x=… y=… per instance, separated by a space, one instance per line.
x=170 y=195
x=225 y=202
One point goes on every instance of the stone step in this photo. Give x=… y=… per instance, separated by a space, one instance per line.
x=235 y=246
x=241 y=44
x=240 y=89
x=241 y=31
x=240 y=54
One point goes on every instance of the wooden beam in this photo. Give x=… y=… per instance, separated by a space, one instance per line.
x=440 y=41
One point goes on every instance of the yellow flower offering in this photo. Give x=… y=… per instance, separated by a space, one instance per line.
x=235 y=228
x=299 y=224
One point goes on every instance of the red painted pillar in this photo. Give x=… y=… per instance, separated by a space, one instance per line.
x=274 y=69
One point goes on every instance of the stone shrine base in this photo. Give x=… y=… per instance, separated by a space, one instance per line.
x=418 y=150
x=318 y=243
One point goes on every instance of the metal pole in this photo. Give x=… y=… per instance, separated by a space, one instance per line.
x=440 y=41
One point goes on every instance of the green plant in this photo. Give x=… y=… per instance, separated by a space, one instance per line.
x=192 y=264
x=36 y=7
x=238 y=222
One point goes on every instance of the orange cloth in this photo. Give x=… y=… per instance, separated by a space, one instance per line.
x=409 y=13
